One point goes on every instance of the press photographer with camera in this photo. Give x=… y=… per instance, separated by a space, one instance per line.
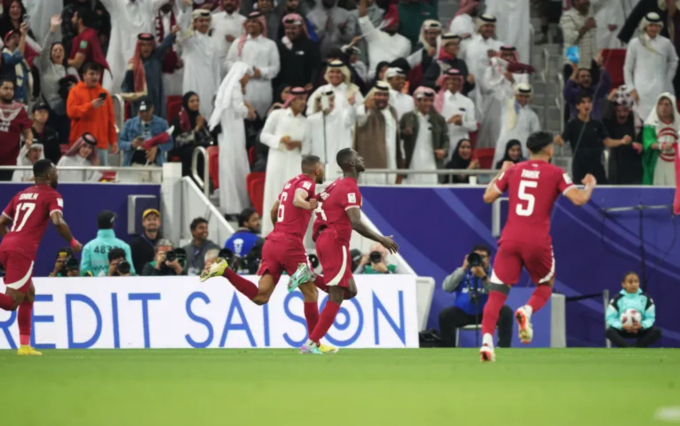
x=66 y=265
x=118 y=265
x=169 y=261
x=375 y=262
x=470 y=283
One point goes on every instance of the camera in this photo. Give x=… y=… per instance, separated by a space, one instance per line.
x=71 y=264
x=171 y=256
x=375 y=257
x=474 y=260
x=177 y=254
x=123 y=267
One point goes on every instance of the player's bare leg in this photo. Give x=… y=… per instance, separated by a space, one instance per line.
x=335 y=297
x=497 y=297
x=24 y=319
x=538 y=299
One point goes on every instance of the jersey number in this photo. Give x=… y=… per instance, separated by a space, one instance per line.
x=280 y=213
x=28 y=209
x=529 y=198
x=319 y=211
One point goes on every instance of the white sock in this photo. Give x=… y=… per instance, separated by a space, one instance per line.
x=528 y=309
x=487 y=339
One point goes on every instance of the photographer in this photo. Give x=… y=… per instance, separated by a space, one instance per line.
x=66 y=265
x=168 y=261
x=375 y=262
x=470 y=283
x=118 y=265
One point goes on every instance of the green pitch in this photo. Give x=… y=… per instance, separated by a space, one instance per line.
x=355 y=387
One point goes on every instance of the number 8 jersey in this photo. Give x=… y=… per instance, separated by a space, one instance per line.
x=533 y=186
x=334 y=201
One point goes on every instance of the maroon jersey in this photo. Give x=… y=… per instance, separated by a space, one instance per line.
x=30 y=212
x=533 y=187
x=334 y=201
x=292 y=221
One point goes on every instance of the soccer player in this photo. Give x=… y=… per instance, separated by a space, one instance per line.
x=284 y=249
x=28 y=213
x=533 y=187
x=337 y=214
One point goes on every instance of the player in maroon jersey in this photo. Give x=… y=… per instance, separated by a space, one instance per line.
x=533 y=188
x=338 y=213
x=28 y=213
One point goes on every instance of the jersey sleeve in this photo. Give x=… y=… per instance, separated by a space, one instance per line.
x=564 y=182
x=307 y=186
x=501 y=183
x=55 y=203
x=9 y=210
x=352 y=198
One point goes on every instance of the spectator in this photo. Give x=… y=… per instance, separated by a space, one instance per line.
x=480 y=49
x=375 y=15
x=610 y=19
x=83 y=153
x=588 y=138
x=246 y=236
x=580 y=29
x=300 y=57
x=581 y=81
x=519 y=120
x=190 y=131
x=66 y=264
x=227 y=25
x=210 y=258
x=347 y=94
x=199 y=246
x=28 y=156
x=631 y=297
x=288 y=7
x=161 y=266
x=660 y=140
x=625 y=163
x=331 y=129
x=13 y=19
x=635 y=13
x=673 y=20
x=144 y=76
x=412 y=15
x=44 y=135
x=425 y=137
x=334 y=26
x=514 y=25
x=15 y=66
x=357 y=67
x=145 y=139
x=91 y=111
x=463 y=22
x=262 y=55
x=471 y=285
x=462 y=160
x=376 y=134
x=143 y=247
x=53 y=67
x=118 y=265
x=513 y=153
x=401 y=102
x=95 y=253
x=421 y=59
x=384 y=43
x=14 y=123
x=272 y=18
x=173 y=65
x=456 y=108
x=376 y=262
x=651 y=62
x=85 y=47
x=442 y=63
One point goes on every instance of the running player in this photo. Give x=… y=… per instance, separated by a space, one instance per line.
x=284 y=249
x=28 y=213
x=533 y=188
x=338 y=213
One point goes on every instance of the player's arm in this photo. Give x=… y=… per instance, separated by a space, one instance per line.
x=5 y=222
x=354 y=214
x=65 y=232
x=580 y=197
x=300 y=200
x=493 y=192
x=274 y=214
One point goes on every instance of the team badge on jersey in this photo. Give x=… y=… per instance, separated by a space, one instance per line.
x=351 y=197
x=60 y=202
x=567 y=179
x=307 y=185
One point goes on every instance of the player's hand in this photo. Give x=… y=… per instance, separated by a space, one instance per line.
x=507 y=165
x=389 y=244
x=589 y=180
x=78 y=248
x=313 y=204
x=635 y=96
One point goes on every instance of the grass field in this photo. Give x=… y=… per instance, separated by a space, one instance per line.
x=354 y=387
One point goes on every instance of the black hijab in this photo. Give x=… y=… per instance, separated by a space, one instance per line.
x=379 y=67
x=512 y=143
x=187 y=113
x=458 y=162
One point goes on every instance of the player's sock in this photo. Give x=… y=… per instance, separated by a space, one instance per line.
x=6 y=302
x=241 y=284
x=24 y=320
x=312 y=316
x=539 y=297
x=320 y=283
x=325 y=321
x=492 y=311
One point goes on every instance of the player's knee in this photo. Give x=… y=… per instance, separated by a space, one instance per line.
x=549 y=283
x=350 y=294
x=309 y=291
x=261 y=299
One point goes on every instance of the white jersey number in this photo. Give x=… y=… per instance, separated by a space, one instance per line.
x=280 y=213
x=28 y=208
x=529 y=198
x=319 y=211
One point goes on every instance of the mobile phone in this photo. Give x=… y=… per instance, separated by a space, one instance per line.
x=102 y=96
x=325 y=103
x=27 y=19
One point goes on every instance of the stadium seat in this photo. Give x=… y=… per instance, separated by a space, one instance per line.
x=614 y=60
x=252 y=156
x=471 y=327
x=485 y=157
x=255 y=185
x=174 y=106
x=214 y=165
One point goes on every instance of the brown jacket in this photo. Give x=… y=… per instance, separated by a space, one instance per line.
x=368 y=140
x=438 y=128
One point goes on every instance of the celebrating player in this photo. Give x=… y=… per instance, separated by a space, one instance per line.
x=29 y=212
x=533 y=186
x=337 y=214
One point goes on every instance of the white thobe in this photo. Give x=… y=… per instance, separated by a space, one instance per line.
x=282 y=164
x=611 y=13
x=223 y=25
x=341 y=92
x=382 y=47
x=201 y=70
x=172 y=83
x=477 y=61
x=527 y=123
x=260 y=53
x=41 y=12
x=650 y=72
x=233 y=159
x=463 y=24
x=402 y=102
x=77 y=175
x=391 y=128
x=513 y=25
x=423 y=154
x=128 y=19
x=457 y=103
x=330 y=134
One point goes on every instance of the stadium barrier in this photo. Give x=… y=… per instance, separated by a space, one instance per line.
x=179 y=312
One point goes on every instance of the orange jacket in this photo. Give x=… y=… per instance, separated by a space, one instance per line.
x=99 y=122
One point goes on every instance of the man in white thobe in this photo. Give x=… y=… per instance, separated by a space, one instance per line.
x=168 y=17
x=384 y=43
x=129 y=18
x=286 y=133
x=262 y=55
x=463 y=23
x=480 y=49
x=40 y=12
x=519 y=121
x=227 y=26
x=514 y=24
x=201 y=61
x=346 y=93
x=230 y=112
x=402 y=102
x=610 y=18
x=457 y=109
x=651 y=62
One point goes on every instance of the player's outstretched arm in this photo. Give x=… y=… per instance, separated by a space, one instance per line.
x=274 y=214
x=492 y=193
x=65 y=232
x=580 y=197
x=5 y=222
x=354 y=215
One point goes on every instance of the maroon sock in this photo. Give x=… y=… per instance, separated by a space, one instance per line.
x=6 y=302
x=312 y=316
x=492 y=310
x=320 y=283
x=325 y=321
x=539 y=297
x=241 y=284
x=25 y=311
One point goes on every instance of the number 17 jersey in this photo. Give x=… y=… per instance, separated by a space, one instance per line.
x=533 y=186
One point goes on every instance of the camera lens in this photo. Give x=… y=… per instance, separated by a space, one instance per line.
x=171 y=256
x=474 y=259
x=124 y=267
x=375 y=257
